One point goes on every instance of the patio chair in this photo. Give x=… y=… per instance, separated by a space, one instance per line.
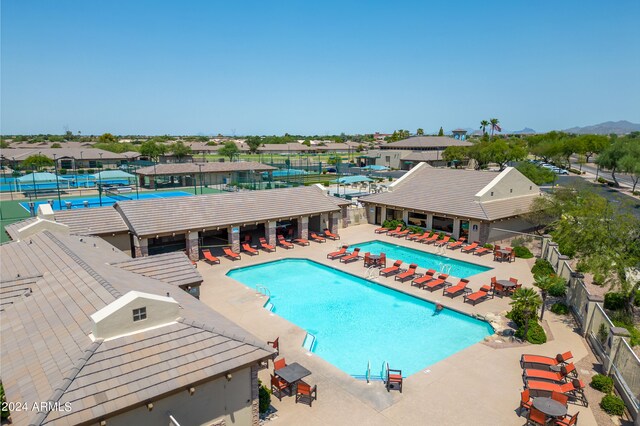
x=278 y=364
x=457 y=244
x=275 y=345
x=209 y=258
x=481 y=251
x=443 y=241
x=230 y=253
x=536 y=417
x=398 y=229
x=469 y=248
x=331 y=235
x=401 y=233
x=561 y=398
x=278 y=386
x=525 y=401
x=454 y=290
x=284 y=243
x=382 y=261
x=512 y=256
x=339 y=253
x=301 y=241
x=317 y=238
x=266 y=246
x=394 y=377
x=305 y=393
x=574 y=389
x=248 y=249
x=566 y=373
x=559 y=359
x=434 y=284
x=568 y=420
x=352 y=257
x=367 y=260
x=431 y=239
x=479 y=295
x=408 y=274
x=394 y=269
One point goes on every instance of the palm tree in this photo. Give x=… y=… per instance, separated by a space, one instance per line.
x=527 y=301
x=483 y=126
x=494 y=125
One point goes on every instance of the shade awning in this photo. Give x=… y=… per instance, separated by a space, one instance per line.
x=113 y=174
x=352 y=179
x=38 y=177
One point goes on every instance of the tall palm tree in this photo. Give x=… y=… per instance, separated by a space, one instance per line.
x=483 y=126
x=495 y=125
x=527 y=301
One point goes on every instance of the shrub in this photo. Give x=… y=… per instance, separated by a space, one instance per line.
x=393 y=224
x=558 y=288
x=535 y=334
x=5 y=412
x=80 y=172
x=518 y=241
x=559 y=308
x=489 y=246
x=264 y=396
x=523 y=252
x=62 y=171
x=542 y=267
x=612 y=405
x=602 y=180
x=90 y=171
x=602 y=383
x=416 y=230
x=614 y=301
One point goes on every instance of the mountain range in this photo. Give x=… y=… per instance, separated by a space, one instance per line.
x=618 y=127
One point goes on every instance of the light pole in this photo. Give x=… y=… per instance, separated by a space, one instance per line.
x=544 y=298
x=200 y=167
x=100 y=180
x=55 y=167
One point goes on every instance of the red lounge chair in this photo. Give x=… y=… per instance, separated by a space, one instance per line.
x=568 y=420
x=381 y=230
x=413 y=237
x=331 y=235
x=469 y=248
x=481 y=250
x=422 y=237
x=408 y=274
x=430 y=240
x=339 y=253
x=266 y=246
x=230 y=254
x=453 y=246
x=394 y=377
x=301 y=242
x=353 y=256
x=398 y=229
x=421 y=281
x=566 y=373
x=391 y=269
x=574 y=389
x=545 y=360
x=401 y=233
x=278 y=386
x=434 y=284
x=443 y=241
x=317 y=238
x=305 y=393
x=284 y=243
x=479 y=295
x=454 y=290
x=248 y=249
x=209 y=258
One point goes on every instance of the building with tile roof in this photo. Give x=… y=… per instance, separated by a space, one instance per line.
x=469 y=203
x=406 y=153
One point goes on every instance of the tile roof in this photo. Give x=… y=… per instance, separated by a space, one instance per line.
x=212 y=167
x=173 y=268
x=425 y=142
x=47 y=354
x=85 y=153
x=157 y=216
x=433 y=155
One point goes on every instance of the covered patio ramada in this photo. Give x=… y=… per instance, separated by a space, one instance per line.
x=202 y=174
x=480 y=206
x=224 y=220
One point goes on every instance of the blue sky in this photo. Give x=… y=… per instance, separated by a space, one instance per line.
x=243 y=67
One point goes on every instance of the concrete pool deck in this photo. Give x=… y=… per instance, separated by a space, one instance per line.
x=479 y=385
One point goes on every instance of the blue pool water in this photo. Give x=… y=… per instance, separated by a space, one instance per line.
x=357 y=321
x=78 y=203
x=459 y=268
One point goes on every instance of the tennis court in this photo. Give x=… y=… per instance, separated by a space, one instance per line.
x=108 y=198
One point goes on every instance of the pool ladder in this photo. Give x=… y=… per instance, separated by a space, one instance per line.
x=370 y=273
x=263 y=290
x=445 y=268
x=370 y=378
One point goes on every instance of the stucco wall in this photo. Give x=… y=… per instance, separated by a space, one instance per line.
x=122 y=242
x=511 y=184
x=229 y=400
x=515 y=224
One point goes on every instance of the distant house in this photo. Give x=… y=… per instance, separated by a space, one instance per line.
x=67 y=158
x=407 y=153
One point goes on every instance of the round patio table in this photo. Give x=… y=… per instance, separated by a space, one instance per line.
x=549 y=407
x=506 y=283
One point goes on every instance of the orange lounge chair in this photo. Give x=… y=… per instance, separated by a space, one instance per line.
x=331 y=235
x=301 y=241
x=209 y=258
x=317 y=238
x=574 y=389
x=231 y=254
x=434 y=284
x=339 y=253
x=469 y=248
x=394 y=269
x=545 y=360
x=353 y=256
x=284 y=243
x=479 y=295
x=408 y=274
x=381 y=230
x=453 y=246
x=566 y=373
x=443 y=241
x=413 y=237
x=454 y=290
x=402 y=233
x=421 y=281
x=266 y=246
x=248 y=249
x=431 y=239
x=422 y=237
x=481 y=250
x=398 y=229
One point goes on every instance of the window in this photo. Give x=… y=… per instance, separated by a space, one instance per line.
x=511 y=190
x=492 y=193
x=139 y=314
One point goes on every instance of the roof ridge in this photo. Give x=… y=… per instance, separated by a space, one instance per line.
x=60 y=389
x=212 y=329
x=84 y=265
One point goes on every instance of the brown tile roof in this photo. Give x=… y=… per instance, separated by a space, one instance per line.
x=423 y=156
x=214 y=167
x=425 y=142
x=87 y=153
x=13 y=291
x=157 y=216
x=47 y=354
x=173 y=268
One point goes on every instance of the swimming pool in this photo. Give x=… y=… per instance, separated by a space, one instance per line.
x=456 y=268
x=356 y=321
x=79 y=203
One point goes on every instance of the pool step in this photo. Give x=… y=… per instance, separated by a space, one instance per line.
x=309 y=341
x=269 y=306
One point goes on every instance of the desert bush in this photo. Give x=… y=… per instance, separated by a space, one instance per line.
x=602 y=383
x=613 y=405
x=559 y=308
x=542 y=267
x=523 y=252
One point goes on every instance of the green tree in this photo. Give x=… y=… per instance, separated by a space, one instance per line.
x=56 y=145
x=229 y=149
x=180 y=150
x=107 y=138
x=630 y=162
x=455 y=154
x=420 y=132
x=153 y=149
x=440 y=132
x=536 y=174
x=526 y=301
x=483 y=126
x=610 y=158
x=592 y=144
x=495 y=125
x=68 y=135
x=37 y=162
x=254 y=143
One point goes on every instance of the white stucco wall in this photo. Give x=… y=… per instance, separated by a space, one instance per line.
x=509 y=183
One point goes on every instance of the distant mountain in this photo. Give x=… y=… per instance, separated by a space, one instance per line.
x=525 y=131
x=618 y=127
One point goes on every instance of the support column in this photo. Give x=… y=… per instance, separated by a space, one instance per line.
x=333 y=222
x=270 y=231
x=303 y=227
x=616 y=335
x=193 y=247
x=140 y=247
x=405 y=216
x=152 y=182
x=324 y=221
x=429 y=221
x=456 y=228
x=255 y=397
x=234 y=238
x=485 y=231
x=345 y=216
x=383 y=214
x=587 y=309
